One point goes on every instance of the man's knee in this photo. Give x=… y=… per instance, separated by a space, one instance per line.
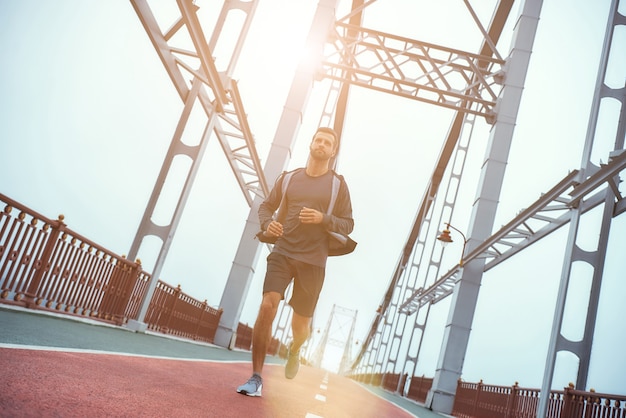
x=301 y=326
x=269 y=305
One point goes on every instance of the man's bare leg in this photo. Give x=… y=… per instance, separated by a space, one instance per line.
x=301 y=330
x=262 y=332
x=261 y=335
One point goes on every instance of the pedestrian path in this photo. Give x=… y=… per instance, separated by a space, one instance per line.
x=51 y=365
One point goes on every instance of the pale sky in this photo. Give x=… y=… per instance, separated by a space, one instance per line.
x=88 y=113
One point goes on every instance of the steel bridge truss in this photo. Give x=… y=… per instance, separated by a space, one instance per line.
x=578 y=193
x=187 y=57
x=338 y=333
x=412 y=69
x=353 y=56
x=454 y=150
x=550 y=212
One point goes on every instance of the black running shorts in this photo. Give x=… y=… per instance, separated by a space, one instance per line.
x=307 y=282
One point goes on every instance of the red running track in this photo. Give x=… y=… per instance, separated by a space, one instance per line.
x=40 y=383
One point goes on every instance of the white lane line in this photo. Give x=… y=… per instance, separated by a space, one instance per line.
x=319 y=397
x=110 y=353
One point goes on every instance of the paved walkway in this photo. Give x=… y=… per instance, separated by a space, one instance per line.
x=56 y=366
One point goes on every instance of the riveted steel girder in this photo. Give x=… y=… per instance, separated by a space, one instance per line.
x=417 y=70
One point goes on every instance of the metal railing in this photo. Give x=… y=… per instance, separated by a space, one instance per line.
x=419 y=387
x=46 y=265
x=477 y=400
x=578 y=403
x=394 y=382
x=173 y=312
x=480 y=400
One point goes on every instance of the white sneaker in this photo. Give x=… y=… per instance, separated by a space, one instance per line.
x=252 y=387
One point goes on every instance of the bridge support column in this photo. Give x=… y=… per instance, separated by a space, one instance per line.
x=456 y=335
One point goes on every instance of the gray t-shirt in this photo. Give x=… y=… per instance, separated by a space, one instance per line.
x=308 y=242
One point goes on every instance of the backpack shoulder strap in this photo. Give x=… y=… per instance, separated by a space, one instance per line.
x=286 y=178
x=334 y=192
x=283 y=192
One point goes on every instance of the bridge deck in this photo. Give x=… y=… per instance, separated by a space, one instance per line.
x=52 y=365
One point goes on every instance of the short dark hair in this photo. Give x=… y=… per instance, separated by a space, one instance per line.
x=330 y=131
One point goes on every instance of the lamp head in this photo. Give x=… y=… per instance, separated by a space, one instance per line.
x=445 y=237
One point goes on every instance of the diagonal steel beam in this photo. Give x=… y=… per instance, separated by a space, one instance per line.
x=236 y=142
x=160 y=44
x=218 y=95
x=207 y=64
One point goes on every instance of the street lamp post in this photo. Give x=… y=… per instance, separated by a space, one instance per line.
x=445 y=239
